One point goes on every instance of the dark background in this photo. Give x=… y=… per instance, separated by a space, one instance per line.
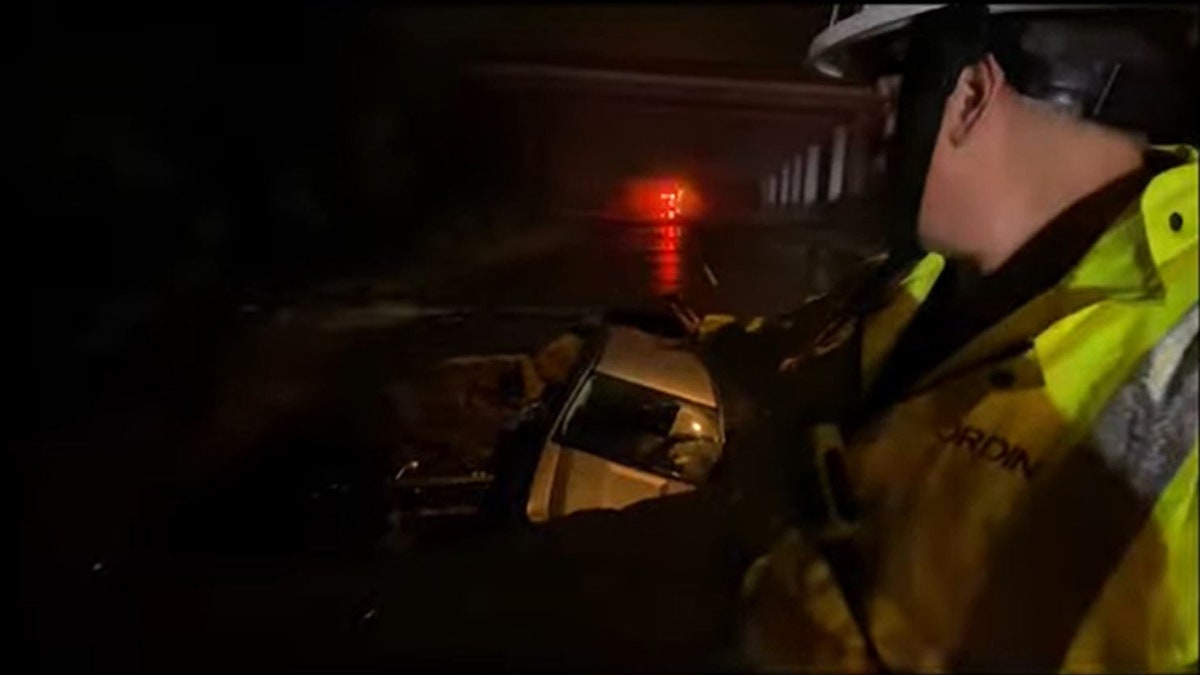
x=184 y=173
x=181 y=166
x=171 y=160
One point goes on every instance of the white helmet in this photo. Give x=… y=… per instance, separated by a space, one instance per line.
x=1120 y=65
x=852 y=27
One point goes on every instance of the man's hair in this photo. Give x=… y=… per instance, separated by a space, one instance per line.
x=1055 y=109
x=1131 y=70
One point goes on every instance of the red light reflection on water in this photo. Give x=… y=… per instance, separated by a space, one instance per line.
x=657 y=210
x=666 y=257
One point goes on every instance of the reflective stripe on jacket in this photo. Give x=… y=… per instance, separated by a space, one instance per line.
x=1031 y=502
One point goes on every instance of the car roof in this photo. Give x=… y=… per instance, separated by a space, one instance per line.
x=654 y=362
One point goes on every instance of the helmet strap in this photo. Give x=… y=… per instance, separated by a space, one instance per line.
x=941 y=44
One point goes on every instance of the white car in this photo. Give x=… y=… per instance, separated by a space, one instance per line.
x=642 y=421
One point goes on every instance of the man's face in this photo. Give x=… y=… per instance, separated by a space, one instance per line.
x=935 y=222
x=961 y=178
x=943 y=215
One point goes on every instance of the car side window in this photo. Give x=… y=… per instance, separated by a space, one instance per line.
x=642 y=428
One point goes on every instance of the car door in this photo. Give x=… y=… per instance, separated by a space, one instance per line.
x=619 y=443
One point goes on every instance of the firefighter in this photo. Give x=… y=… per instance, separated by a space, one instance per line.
x=1012 y=480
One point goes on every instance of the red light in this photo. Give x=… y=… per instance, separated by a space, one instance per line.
x=660 y=200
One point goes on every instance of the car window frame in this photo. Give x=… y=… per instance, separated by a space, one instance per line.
x=558 y=434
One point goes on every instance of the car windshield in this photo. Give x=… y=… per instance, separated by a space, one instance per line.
x=643 y=428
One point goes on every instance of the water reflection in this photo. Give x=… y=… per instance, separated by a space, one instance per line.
x=664 y=249
x=650 y=257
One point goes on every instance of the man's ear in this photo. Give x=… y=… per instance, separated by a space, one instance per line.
x=976 y=91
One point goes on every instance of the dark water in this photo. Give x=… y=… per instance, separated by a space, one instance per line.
x=97 y=588
x=738 y=269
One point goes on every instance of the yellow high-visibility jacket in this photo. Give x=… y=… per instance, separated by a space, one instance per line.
x=1031 y=510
